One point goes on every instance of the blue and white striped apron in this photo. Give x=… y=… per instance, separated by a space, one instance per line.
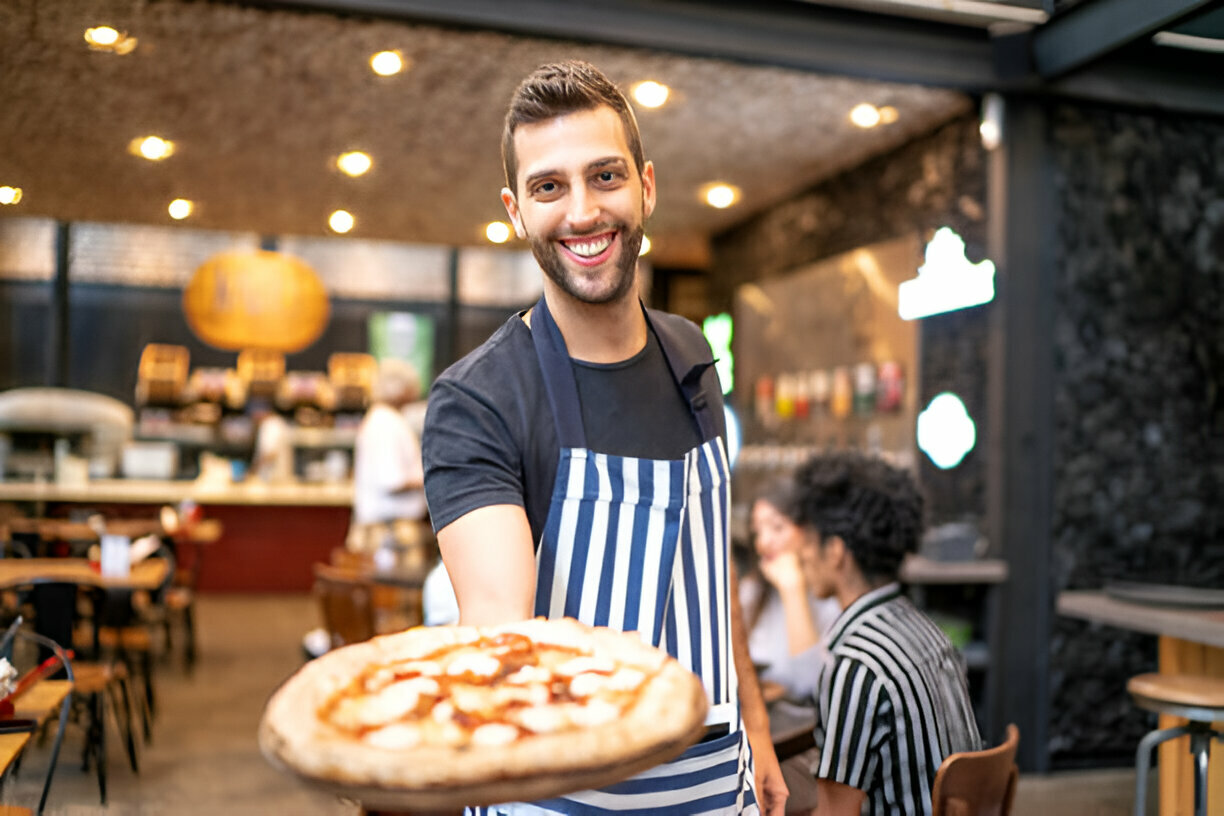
x=641 y=545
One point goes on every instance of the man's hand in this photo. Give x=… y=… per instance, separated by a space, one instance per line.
x=770 y=785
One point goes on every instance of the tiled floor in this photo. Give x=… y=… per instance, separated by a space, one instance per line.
x=204 y=758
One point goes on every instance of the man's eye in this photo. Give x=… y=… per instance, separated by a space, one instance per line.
x=545 y=188
x=607 y=176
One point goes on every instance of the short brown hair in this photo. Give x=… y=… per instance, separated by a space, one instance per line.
x=556 y=89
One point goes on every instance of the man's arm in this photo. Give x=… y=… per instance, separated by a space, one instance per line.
x=836 y=799
x=491 y=561
x=771 y=787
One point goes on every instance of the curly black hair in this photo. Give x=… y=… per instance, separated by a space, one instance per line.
x=872 y=506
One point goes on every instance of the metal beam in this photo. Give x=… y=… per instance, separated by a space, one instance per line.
x=1020 y=399
x=1093 y=29
x=770 y=32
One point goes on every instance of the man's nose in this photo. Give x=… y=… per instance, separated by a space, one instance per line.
x=584 y=209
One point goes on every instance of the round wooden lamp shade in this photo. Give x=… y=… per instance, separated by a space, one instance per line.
x=262 y=300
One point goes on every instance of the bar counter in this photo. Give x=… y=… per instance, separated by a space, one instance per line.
x=1191 y=641
x=272 y=533
x=143 y=491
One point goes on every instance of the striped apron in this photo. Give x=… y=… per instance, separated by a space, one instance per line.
x=641 y=545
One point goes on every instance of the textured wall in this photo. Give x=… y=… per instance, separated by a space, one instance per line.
x=936 y=180
x=1139 y=367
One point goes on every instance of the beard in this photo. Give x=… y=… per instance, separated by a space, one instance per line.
x=570 y=281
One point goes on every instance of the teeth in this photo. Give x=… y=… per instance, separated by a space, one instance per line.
x=589 y=249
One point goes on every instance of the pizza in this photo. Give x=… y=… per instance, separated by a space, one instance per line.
x=461 y=715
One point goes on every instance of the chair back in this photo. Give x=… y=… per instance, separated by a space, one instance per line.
x=346 y=603
x=978 y=783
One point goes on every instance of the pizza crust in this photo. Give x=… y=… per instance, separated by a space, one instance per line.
x=666 y=717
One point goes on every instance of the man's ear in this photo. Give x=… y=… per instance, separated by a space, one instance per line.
x=512 y=210
x=648 y=190
x=836 y=550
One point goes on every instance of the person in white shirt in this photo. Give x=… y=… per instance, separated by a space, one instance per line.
x=388 y=480
x=273 y=461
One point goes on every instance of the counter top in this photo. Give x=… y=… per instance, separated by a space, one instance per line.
x=141 y=491
x=1204 y=626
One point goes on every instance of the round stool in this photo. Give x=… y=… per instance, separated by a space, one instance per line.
x=1195 y=698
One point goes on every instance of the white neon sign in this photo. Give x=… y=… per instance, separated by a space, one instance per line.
x=945 y=431
x=947 y=281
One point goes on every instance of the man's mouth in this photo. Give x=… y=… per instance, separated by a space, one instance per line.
x=589 y=247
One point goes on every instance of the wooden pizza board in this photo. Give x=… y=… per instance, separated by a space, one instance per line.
x=517 y=789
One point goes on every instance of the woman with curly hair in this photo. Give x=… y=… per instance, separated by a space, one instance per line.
x=893 y=701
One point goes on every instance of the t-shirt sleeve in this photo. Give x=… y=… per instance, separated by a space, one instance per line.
x=471 y=459
x=854 y=720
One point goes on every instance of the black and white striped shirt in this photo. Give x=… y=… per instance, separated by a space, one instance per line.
x=892 y=704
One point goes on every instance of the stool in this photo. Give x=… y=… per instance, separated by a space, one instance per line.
x=1195 y=698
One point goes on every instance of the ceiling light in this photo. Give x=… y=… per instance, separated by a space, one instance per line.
x=387 y=63
x=645 y=246
x=105 y=38
x=153 y=148
x=497 y=231
x=720 y=195
x=180 y=208
x=101 y=35
x=651 y=94
x=865 y=116
x=9 y=195
x=354 y=163
x=341 y=221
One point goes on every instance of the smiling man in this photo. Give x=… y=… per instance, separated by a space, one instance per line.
x=575 y=464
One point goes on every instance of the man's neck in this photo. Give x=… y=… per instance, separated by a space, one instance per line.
x=599 y=333
x=855 y=586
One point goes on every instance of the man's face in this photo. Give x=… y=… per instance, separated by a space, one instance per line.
x=581 y=202
x=819 y=559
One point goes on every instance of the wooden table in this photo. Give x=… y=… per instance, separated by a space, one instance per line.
x=15 y=572
x=792 y=728
x=1191 y=641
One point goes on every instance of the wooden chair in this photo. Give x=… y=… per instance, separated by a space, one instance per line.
x=978 y=783
x=346 y=603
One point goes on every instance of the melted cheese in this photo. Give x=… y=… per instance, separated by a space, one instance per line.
x=395 y=737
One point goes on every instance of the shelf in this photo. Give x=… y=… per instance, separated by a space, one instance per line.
x=919 y=569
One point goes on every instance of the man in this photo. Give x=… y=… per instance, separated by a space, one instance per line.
x=388 y=502
x=894 y=701
x=575 y=463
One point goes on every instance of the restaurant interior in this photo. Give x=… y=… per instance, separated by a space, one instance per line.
x=983 y=239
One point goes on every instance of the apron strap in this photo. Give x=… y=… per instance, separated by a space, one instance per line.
x=559 y=379
x=562 y=388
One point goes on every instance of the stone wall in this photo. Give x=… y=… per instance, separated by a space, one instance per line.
x=936 y=180
x=1139 y=372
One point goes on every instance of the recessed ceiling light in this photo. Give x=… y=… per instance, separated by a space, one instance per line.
x=354 y=163
x=9 y=195
x=387 y=63
x=865 y=115
x=153 y=148
x=645 y=246
x=180 y=208
x=650 y=94
x=341 y=221
x=497 y=231
x=720 y=194
x=105 y=38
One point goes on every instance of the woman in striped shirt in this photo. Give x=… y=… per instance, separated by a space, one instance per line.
x=894 y=701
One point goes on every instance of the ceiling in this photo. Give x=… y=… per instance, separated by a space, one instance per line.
x=259 y=102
